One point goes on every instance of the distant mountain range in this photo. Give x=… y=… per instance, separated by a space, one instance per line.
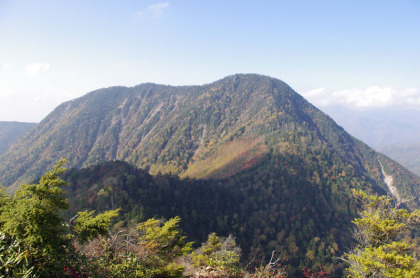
x=395 y=132
x=11 y=132
x=244 y=155
x=407 y=154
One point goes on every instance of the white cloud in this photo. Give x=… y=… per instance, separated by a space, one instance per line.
x=36 y=68
x=156 y=10
x=371 y=97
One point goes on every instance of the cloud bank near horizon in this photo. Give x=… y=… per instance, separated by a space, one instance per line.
x=365 y=99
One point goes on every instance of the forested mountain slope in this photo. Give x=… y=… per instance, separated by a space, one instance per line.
x=268 y=208
x=11 y=132
x=210 y=131
x=247 y=155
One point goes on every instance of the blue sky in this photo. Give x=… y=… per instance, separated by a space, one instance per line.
x=360 y=54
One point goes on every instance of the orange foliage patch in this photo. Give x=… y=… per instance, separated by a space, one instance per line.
x=229 y=159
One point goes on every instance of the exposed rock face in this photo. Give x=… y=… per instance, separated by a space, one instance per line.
x=389 y=182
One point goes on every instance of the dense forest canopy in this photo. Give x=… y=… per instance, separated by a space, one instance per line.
x=36 y=241
x=244 y=156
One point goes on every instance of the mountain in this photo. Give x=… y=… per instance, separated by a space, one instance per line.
x=245 y=155
x=379 y=127
x=11 y=132
x=209 y=131
x=395 y=132
x=407 y=154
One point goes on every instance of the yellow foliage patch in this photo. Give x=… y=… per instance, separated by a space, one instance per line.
x=164 y=169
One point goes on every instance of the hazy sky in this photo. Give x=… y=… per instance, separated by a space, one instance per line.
x=359 y=54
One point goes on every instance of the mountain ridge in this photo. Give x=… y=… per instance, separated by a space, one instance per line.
x=245 y=155
x=208 y=131
x=392 y=131
x=10 y=132
x=408 y=155
x=99 y=108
